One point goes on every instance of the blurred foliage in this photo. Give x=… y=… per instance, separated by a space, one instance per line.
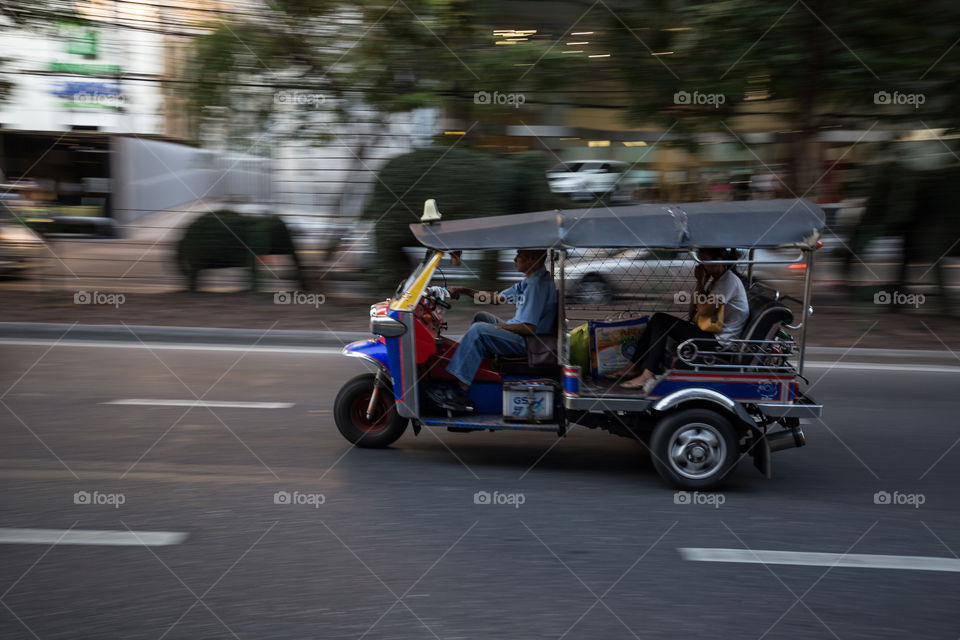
x=465 y=184
x=918 y=206
x=373 y=54
x=224 y=239
x=811 y=65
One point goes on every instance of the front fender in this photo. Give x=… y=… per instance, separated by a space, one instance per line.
x=373 y=350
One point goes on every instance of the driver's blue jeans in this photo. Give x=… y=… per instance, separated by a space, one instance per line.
x=483 y=340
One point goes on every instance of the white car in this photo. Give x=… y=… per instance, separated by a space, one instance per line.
x=602 y=278
x=20 y=248
x=587 y=178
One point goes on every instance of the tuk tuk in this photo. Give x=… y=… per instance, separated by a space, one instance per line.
x=712 y=406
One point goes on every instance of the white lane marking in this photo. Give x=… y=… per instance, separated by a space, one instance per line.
x=161 y=346
x=202 y=403
x=880 y=366
x=329 y=351
x=91 y=537
x=802 y=558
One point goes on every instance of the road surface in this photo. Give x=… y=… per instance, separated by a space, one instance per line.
x=253 y=518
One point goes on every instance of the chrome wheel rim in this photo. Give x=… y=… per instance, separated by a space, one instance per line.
x=697 y=451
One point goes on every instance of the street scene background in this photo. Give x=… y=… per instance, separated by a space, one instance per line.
x=199 y=201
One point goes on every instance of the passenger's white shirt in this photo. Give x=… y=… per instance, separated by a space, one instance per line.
x=729 y=288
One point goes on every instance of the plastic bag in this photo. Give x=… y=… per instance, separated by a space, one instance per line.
x=580 y=347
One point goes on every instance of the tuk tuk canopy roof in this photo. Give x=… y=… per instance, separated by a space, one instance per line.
x=754 y=223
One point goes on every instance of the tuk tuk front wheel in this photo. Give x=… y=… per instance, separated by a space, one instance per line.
x=350 y=413
x=694 y=449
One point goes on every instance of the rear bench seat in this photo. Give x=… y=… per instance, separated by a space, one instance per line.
x=766 y=317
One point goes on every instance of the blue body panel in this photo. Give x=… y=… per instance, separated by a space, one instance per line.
x=487 y=398
x=371 y=348
x=392 y=351
x=383 y=352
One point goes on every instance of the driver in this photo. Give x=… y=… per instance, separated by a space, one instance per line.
x=536 y=300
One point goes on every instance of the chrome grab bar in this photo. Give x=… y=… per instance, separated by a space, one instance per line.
x=794 y=327
x=688 y=351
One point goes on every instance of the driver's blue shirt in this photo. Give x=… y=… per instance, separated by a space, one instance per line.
x=536 y=300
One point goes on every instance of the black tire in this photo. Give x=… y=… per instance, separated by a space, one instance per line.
x=350 y=408
x=694 y=449
x=593 y=290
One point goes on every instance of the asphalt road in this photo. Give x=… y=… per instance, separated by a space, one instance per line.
x=587 y=546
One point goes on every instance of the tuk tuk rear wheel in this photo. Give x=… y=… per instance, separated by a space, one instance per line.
x=350 y=409
x=694 y=449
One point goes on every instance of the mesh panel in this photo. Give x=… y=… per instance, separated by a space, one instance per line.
x=611 y=284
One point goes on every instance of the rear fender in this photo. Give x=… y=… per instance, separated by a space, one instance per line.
x=702 y=394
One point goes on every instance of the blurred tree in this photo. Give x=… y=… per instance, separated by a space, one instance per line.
x=465 y=183
x=810 y=64
x=919 y=206
x=322 y=59
x=225 y=239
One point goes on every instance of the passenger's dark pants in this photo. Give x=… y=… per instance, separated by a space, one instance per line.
x=652 y=345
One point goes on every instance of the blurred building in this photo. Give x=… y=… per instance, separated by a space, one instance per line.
x=94 y=126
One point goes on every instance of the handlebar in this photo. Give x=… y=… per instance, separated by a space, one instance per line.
x=437 y=300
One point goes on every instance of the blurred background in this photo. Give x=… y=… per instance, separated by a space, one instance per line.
x=160 y=146
x=175 y=168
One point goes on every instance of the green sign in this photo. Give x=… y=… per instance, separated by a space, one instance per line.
x=85 y=69
x=81 y=40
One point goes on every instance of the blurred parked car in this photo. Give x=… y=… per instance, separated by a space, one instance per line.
x=593 y=277
x=468 y=271
x=20 y=248
x=587 y=178
x=641 y=273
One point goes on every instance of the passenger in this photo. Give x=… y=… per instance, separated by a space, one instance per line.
x=536 y=300
x=718 y=286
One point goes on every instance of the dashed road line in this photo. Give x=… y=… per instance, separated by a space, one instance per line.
x=808 y=559
x=92 y=537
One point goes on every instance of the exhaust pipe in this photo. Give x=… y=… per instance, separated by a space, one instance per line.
x=786 y=439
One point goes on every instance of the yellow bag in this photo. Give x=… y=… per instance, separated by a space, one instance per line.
x=711 y=324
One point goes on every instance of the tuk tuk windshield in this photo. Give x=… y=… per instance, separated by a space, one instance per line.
x=409 y=291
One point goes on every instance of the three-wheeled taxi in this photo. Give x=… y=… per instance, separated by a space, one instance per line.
x=713 y=405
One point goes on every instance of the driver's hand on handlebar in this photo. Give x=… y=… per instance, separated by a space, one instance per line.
x=456 y=291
